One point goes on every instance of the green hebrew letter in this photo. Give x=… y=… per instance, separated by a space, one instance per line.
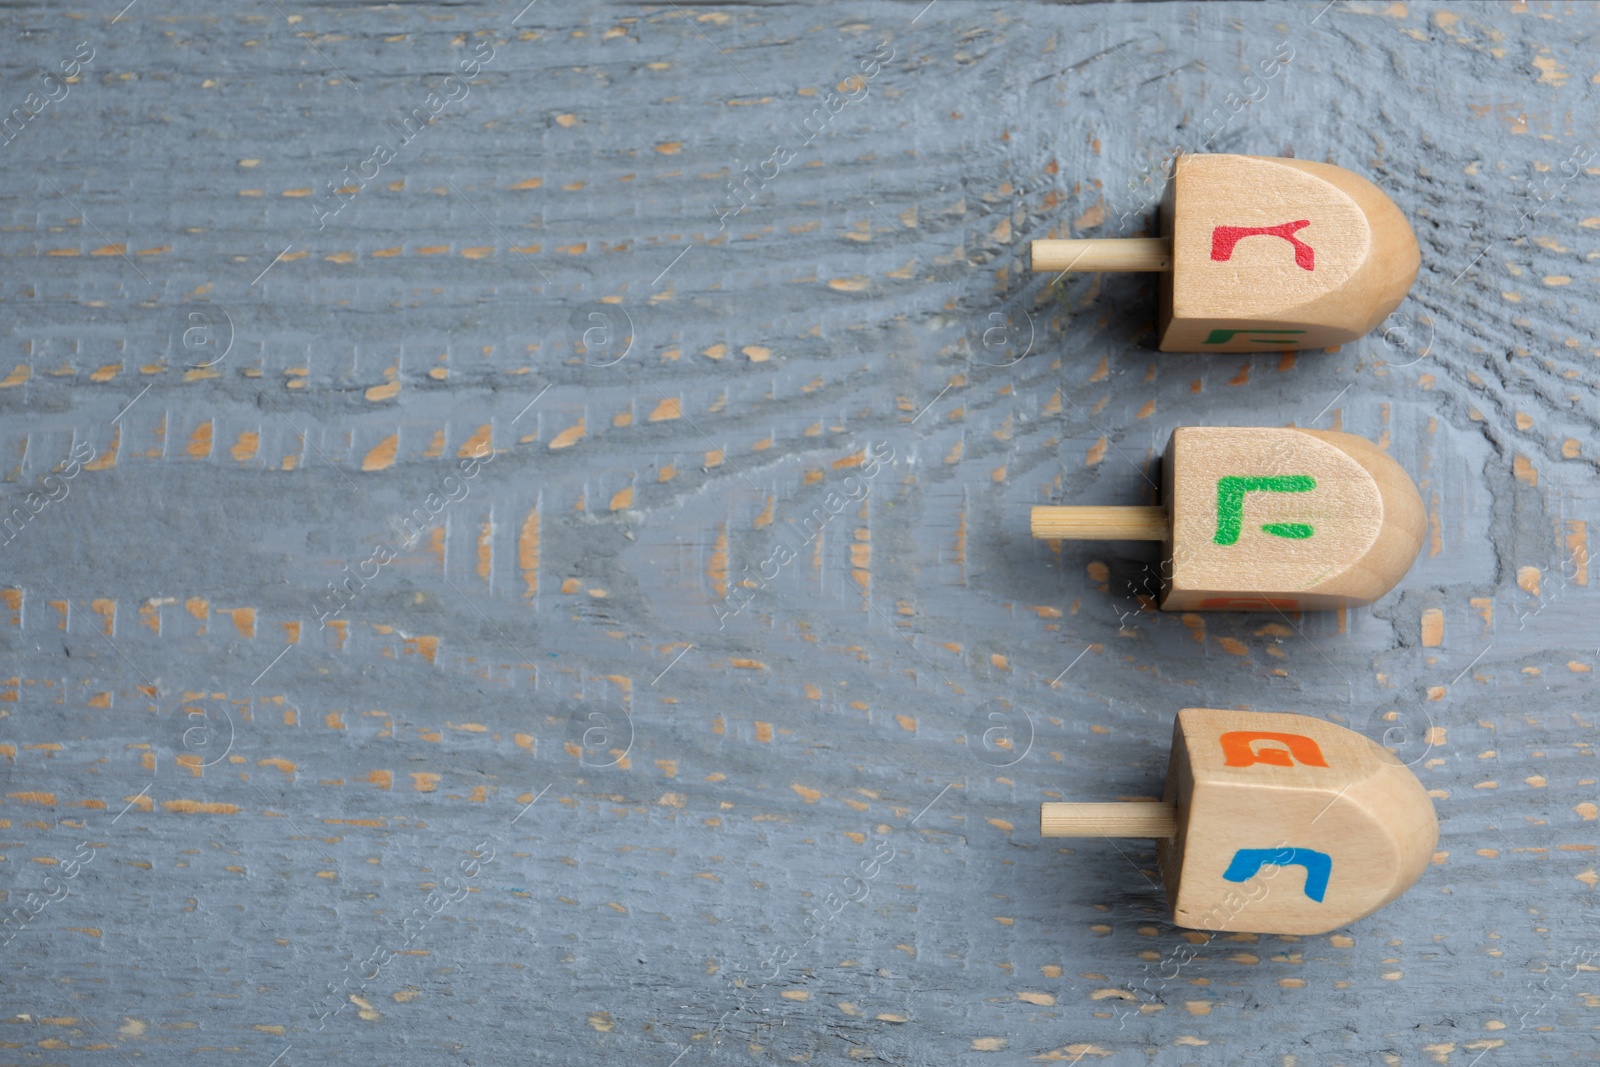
x=1230 y=505
x=1222 y=337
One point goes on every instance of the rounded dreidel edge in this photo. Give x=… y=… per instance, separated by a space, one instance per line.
x=1273 y=824
x=1266 y=519
x=1262 y=254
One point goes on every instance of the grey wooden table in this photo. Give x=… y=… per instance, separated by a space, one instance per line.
x=705 y=715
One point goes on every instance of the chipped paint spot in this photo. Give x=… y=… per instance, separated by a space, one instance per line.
x=480 y=444
x=568 y=437
x=1524 y=471
x=245 y=448
x=426 y=647
x=382 y=455
x=199 y=807
x=528 y=553
x=244 y=620
x=1432 y=628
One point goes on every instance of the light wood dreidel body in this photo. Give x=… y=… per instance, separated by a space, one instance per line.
x=1273 y=824
x=1262 y=254
x=1266 y=518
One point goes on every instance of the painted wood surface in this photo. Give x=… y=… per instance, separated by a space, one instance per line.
x=666 y=392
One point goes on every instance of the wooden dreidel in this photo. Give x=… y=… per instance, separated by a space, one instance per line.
x=1265 y=518
x=1262 y=254
x=1272 y=824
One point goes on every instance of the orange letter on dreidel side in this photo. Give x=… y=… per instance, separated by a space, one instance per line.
x=1237 y=752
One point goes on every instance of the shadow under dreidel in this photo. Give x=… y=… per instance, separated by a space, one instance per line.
x=1109 y=313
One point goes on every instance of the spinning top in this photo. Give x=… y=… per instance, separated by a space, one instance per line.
x=1272 y=824
x=1262 y=254
x=1266 y=518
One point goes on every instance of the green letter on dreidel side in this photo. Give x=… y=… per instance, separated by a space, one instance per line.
x=1231 y=491
x=1222 y=337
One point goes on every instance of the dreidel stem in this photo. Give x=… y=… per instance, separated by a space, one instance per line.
x=1159 y=821
x=1099 y=523
x=1095 y=254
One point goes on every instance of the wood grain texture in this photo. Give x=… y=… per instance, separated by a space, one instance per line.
x=744 y=604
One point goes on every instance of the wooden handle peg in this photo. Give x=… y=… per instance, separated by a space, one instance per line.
x=1098 y=254
x=1157 y=821
x=1100 y=523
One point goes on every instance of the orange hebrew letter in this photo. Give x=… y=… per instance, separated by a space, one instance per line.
x=1237 y=752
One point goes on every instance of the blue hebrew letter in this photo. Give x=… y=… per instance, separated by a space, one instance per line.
x=1248 y=861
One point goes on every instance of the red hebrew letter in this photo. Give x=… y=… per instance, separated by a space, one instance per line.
x=1237 y=752
x=1223 y=238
